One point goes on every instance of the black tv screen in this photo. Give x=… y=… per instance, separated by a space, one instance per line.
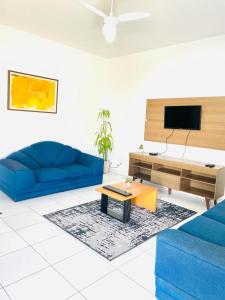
x=182 y=117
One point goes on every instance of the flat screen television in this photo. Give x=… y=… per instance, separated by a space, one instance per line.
x=183 y=117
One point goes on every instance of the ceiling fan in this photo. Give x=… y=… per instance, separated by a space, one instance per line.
x=109 y=29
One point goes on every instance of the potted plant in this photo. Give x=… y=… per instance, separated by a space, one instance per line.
x=128 y=181
x=104 y=139
x=141 y=148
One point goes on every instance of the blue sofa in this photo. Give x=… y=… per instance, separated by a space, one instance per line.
x=48 y=167
x=190 y=261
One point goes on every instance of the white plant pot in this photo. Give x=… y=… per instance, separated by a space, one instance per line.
x=106 y=166
x=128 y=185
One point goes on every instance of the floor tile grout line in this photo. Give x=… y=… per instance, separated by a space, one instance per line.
x=26 y=276
x=52 y=265
x=16 y=230
x=7 y=294
x=5 y=287
x=85 y=298
x=68 y=257
x=35 y=224
x=129 y=260
x=27 y=208
x=106 y=274
x=61 y=275
x=135 y=282
x=28 y=245
x=14 y=214
x=34 y=210
x=116 y=269
x=41 y=206
x=11 y=252
x=21 y=228
x=2 y=288
x=49 y=238
x=5 y=232
x=79 y=290
x=49 y=266
x=100 y=278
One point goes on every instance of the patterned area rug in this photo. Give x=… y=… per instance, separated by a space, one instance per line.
x=110 y=237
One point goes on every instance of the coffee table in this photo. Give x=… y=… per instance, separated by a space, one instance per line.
x=142 y=195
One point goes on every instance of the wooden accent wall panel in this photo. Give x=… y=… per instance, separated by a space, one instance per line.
x=211 y=135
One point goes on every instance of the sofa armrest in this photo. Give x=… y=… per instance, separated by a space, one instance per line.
x=93 y=162
x=192 y=265
x=15 y=176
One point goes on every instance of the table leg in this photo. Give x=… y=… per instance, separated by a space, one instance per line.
x=104 y=203
x=126 y=211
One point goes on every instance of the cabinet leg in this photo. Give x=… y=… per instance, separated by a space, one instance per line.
x=215 y=202
x=134 y=178
x=169 y=191
x=141 y=180
x=207 y=202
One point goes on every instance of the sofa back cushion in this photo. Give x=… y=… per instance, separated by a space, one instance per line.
x=46 y=155
x=206 y=229
x=24 y=159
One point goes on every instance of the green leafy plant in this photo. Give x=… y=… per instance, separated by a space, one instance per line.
x=129 y=179
x=104 y=139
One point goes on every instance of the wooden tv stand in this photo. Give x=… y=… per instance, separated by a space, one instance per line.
x=179 y=174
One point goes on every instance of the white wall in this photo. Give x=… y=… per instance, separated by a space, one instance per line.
x=186 y=70
x=80 y=78
x=123 y=84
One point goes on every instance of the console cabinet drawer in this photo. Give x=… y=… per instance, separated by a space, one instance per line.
x=168 y=180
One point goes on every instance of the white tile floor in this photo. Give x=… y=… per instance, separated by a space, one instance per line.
x=39 y=261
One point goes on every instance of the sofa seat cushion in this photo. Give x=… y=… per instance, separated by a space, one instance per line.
x=206 y=229
x=217 y=213
x=50 y=174
x=76 y=170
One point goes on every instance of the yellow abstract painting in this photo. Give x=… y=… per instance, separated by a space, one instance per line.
x=32 y=93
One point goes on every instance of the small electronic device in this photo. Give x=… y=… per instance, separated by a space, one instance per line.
x=116 y=190
x=209 y=165
x=153 y=153
x=183 y=117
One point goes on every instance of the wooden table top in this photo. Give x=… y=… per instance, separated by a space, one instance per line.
x=136 y=189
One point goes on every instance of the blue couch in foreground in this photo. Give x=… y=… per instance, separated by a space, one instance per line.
x=47 y=167
x=190 y=261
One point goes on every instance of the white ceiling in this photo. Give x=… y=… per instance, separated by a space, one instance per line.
x=67 y=22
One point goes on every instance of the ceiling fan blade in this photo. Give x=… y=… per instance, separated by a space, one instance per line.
x=93 y=9
x=133 y=16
